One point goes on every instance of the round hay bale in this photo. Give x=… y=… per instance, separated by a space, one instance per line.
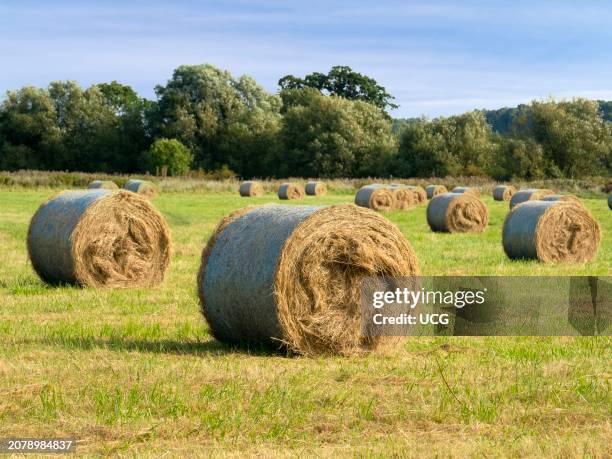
x=420 y=195
x=466 y=189
x=503 y=192
x=250 y=188
x=435 y=190
x=376 y=197
x=551 y=231
x=141 y=187
x=562 y=197
x=290 y=276
x=290 y=191
x=457 y=213
x=403 y=196
x=529 y=194
x=99 y=238
x=104 y=184
x=316 y=189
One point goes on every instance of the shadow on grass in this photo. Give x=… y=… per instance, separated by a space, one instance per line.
x=164 y=346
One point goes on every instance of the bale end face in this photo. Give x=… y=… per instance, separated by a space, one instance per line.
x=99 y=238
x=306 y=293
x=552 y=232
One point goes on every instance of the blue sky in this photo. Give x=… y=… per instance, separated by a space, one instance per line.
x=436 y=57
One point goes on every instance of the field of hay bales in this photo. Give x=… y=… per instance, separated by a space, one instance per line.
x=136 y=372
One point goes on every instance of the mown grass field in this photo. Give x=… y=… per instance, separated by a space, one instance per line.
x=135 y=372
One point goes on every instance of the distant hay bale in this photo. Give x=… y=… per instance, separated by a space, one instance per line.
x=551 y=231
x=466 y=189
x=420 y=195
x=562 y=197
x=290 y=276
x=529 y=194
x=316 y=189
x=250 y=189
x=141 y=187
x=435 y=190
x=503 y=192
x=376 y=197
x=99 y=238
x=104 y=184
x=457 y=213
x=403 y=196
x=291 y=191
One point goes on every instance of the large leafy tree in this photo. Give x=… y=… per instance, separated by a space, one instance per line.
x=168 y=156
x=344 y=82
x=204 y=107
x=335 y=137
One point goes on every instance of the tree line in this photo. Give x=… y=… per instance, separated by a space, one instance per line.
x=321 y=125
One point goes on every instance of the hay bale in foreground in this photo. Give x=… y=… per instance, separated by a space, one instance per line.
x=466 y=189
x=141 y=187
x=457 y=213
x=435 y=190
x=420 y=195
x=250 y=189
x=403 y=196
x=376 y=197
x=316 y=189
x=104 y=184
x=291 y=191
x=290 y=276
x=529 y=194
x=551 y=231
x=99 y=238
x=503 y=192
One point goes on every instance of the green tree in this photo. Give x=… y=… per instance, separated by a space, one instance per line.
x=344 y=82
x=168 y=156
x=335 y=137
x=457 y=145
x=204 y=107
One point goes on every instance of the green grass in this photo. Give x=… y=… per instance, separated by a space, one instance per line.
x=135 y=372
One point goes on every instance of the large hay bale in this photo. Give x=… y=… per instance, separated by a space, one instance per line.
x=290 y=276
x=141 y=187
x=104 y=184
x=316 y=188
x=99 y=238
x=466 y=189
x=291 y=191
x=435 y=190
x=420 y=195
x=250 y=188
x=503 y=192
x=529 y=194
x=404 y=197
x=551 y=231
x=376 y=197
x=457 y=213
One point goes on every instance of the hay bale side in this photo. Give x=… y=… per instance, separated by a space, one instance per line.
x=290 y=276
x=290 y=191
x=141 y=187
x=457 y=213
x=250 y=189
x=316 y=188
x=551 y=231
x=420 y=195
x=376 y=197
x=466 y=189
x=403 y=196
x=104 y=184
x=529 y=194
x=503 y=192
x=99 y=238
x=435 y=190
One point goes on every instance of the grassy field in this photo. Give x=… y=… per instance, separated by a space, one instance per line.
x=135 y=373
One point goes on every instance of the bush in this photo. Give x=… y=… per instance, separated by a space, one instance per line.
x=168 y=157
